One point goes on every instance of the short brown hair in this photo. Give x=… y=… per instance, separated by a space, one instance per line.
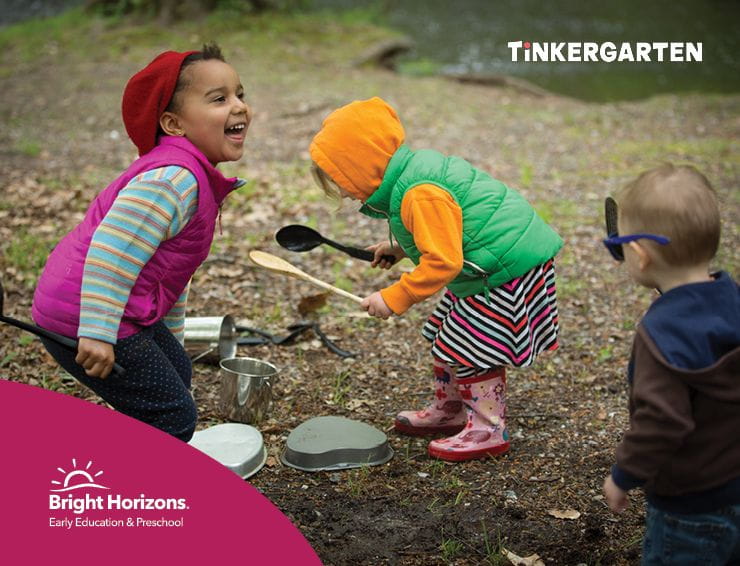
x=677 y=202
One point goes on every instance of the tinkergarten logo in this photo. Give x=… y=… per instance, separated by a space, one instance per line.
x=79 y=491
x=605 y=52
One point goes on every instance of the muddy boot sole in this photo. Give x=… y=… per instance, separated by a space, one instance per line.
x=410 y=430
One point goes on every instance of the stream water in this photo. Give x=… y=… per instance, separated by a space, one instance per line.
x=471 y=36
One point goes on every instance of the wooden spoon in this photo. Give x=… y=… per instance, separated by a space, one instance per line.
x=279 y=265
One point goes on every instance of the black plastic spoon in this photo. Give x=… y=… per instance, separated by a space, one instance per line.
x=297 y=238
x=63 y=341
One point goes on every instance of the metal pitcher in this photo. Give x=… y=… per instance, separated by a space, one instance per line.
x=246 y=389
x=210 y=338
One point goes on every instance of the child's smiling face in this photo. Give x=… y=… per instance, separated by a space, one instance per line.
x=211 y=111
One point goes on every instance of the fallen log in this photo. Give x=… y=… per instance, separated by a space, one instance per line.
x=489 y=79
x=384 y=54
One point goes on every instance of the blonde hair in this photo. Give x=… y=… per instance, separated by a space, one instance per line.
x=325 y=183
x=677 y=202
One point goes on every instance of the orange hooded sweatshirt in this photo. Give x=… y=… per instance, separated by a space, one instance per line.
x=354 y=146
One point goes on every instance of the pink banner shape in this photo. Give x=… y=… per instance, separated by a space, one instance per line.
x=82 y=484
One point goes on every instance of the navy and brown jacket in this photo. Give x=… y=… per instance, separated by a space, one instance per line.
x=683 y=444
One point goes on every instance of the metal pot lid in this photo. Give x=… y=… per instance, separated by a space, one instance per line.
x=237 y=446
x=335 y=443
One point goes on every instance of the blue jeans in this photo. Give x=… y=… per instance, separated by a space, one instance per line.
x=679 y=539
x=156 y=387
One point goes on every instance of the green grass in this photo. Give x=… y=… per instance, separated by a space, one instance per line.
x=525 y=175
x=605 y=354
x=358 y=481
x=274 y=316
x=86 y=36
x=32 y=39
x=339 y=270
x=561 y=213
x=419 y=67
x=571 y=287
x=5 y=361
x=435 y=468
x=493 y=549
x=453 y=482
x=30 y=148
x=485 y=551
x=27 y=253
x=658 y=151
x=341 y=388
x=460 y=496
x=239 y=198
x=450 y=549
x=59 y=381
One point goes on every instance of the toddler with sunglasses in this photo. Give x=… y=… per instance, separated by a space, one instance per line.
x=683 y=443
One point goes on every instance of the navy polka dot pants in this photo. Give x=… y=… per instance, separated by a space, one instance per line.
x=156 y=386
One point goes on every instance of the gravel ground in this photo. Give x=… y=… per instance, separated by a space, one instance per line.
x=62 y=141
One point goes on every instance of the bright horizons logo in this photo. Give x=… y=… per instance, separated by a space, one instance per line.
x=63 y=498
x=77 y=479
x=605 y=52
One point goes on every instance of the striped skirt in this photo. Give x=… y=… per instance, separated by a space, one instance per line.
x=517 y=321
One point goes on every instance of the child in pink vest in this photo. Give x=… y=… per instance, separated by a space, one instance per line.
x=118 y=282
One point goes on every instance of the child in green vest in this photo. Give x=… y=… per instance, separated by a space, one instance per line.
x=464 y=231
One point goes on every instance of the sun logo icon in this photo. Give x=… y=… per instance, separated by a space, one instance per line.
x=78 y=478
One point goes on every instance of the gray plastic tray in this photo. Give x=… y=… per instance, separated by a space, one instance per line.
x=237 y=446
x=335 y=443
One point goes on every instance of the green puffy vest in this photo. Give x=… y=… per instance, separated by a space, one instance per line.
x=503 y=237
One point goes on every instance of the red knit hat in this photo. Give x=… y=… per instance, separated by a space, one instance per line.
x=147 y=95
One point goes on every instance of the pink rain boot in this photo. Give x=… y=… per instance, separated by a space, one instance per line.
x=485 y=432
x=444 y=415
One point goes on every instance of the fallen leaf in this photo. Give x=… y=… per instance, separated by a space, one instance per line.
x=312 y=303
x=353 y=404
x=227 y=272
x=564 y=513
x=533 y=560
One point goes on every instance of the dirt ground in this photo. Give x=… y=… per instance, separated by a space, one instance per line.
x=62 y=141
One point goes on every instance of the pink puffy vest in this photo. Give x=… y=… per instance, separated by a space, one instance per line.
x=56 y=302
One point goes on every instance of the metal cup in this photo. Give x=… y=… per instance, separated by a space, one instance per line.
x=246 y=389
x=210 y=338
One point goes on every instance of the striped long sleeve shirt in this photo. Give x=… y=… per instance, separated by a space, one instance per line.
x=152 y=208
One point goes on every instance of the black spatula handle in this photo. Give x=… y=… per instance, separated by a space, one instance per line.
x=63 y=341
x=364 y=255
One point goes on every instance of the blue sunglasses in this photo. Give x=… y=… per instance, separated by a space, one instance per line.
x=614 y=242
